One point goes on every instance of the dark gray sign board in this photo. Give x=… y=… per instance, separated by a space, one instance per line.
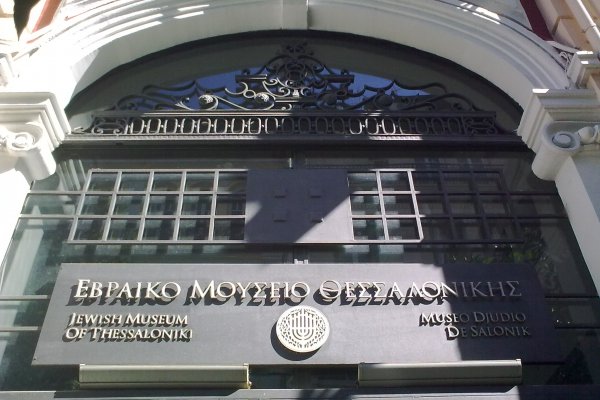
x=184 y=314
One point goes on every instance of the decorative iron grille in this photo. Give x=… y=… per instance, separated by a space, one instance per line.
x=294 y=95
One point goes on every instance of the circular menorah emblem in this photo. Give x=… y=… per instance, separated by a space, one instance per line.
x=302 y=329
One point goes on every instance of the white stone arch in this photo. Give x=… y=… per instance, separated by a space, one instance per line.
x=85 y=46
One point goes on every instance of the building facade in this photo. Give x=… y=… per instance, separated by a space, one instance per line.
x=301 y=199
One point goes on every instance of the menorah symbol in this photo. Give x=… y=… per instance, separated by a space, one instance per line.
x=302 y=329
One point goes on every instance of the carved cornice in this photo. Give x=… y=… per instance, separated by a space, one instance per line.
x=562 y=140
x=582 y=66
x=31 y=127
x=547 y=106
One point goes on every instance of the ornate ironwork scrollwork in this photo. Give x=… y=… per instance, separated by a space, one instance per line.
x=295 y=94
x=296 y=80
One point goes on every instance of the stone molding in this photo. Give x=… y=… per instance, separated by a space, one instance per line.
x=7 y=69
x=97 y=40
x=32 y=125
x=561 y=140
x=583 y=65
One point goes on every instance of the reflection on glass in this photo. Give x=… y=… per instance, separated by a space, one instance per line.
x=494 y=204
x=575 y=312
x=431 y=204
x=457 y=182
x=229 y=229
x=101 y=181
x=403 y=229
x=469 y=229
x=230 y=205
x=162 y=204
x=365 y=204
x=95 y=204
x=487 y=182
x=368 y=229
x=193 y=229
x=436 y=229
x=164 y=181
x=89 y=229
x=359 y=181
x=123 y=229
x=37 y=204
x=129 y=204
x=158 y=229
x=232 y=182
x=427 y=182
x=394 y=181
x=134 y=181
x=196 y=204
x=463 y=204
x=398 y=204
x=199 y=181
x=533 y=205
x=502 y=228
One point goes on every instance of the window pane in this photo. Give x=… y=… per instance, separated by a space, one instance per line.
x=230 y=205
x=229 y=229
x=502 y=228
x=37 y=204
x=129 y=204
x=166 y=181
x=158 y=229
x=123 y=229
x=134 y=181
x=494 y=204
x=96 y=204
x=551 y=246
x=402 y=229
x=232 y=182
x=365 y=205
x=436 y=229
x=162 y=204
x=396 y=181
x=458 y=182
x=398 y=204
x=362 y=181
x=487 y=182
x=469 y=229
x=461 y=205
x=103 y=181
x=89 y=229
x=196 y=204
x=427 y=182
x=193 y=229
x=575 y=312
x=34 y=256
x=368 y=229
x=531 y=206
x=431 y=204
x=199 y=181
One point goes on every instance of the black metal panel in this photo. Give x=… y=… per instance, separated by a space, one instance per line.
x=380 y=313
x=298 y=206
